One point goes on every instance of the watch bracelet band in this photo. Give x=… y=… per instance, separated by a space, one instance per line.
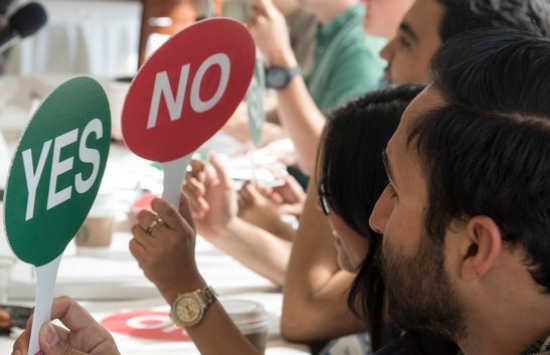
x=208 y=295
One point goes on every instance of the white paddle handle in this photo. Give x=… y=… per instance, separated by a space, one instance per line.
x=45 y=283
x=174 y=172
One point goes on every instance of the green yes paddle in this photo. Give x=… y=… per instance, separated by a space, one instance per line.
x=53 y=180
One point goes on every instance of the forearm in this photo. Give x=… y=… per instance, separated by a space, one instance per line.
x=166 y=255
x=302 y=121
x=297 y=112
x=315 y=289
x=255 y=248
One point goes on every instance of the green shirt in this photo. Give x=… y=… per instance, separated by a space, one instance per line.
x=346 y=62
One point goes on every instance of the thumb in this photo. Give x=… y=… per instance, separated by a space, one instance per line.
x=51 y=344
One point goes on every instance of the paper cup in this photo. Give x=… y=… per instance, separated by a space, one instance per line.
x=6 y=265
x=251 y=319
x=95 y=236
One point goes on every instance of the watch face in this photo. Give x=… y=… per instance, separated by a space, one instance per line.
x=277 y=77
x=189 y=310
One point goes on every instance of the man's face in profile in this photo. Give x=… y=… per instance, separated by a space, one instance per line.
x=410 y=51
x=421 y=294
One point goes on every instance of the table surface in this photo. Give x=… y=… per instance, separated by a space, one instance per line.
x=112 y=282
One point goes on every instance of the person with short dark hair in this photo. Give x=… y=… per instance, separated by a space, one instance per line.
x=466 y=215
x=429 y=23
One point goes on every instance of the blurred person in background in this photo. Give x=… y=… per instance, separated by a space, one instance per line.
x=346 y=64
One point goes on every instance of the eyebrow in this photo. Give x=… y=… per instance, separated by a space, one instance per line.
x=407 y=29
x=387 y=166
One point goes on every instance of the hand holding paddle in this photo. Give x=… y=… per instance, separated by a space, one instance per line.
x=53 y=180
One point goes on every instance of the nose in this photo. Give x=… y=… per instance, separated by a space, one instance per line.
x=381 y=212
x=388 y=50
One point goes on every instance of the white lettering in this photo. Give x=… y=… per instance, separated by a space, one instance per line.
x=33 y=177
x=60 y=167
x=162 y=86
x=88 y=155
x=222 y=60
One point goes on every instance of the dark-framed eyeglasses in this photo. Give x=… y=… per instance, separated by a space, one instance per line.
x=322 y=194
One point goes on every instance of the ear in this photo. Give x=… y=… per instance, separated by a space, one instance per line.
x=484 y=246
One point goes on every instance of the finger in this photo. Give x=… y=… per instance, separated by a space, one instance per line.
x=170 y=217
x=136 y=244
x=246 y=199
x=51 y=343
x=219 y=169
x=253 y=192
x=241 y=203
x=196 y=190
x=294 y=210
x=185 y=211
x=264 y=6
x=195 y=187
x=73 y=317
x=256 y=8
x=22 y=343
x=294 y=185
x=244 y=192
x=198 y=205
x=148 y=221
x=198 y=169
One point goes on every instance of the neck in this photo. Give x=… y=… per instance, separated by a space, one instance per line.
x=507 y=328
x=329 y=10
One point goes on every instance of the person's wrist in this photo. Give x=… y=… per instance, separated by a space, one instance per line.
x=234 y=226
x=283 y=59
x=186 y=283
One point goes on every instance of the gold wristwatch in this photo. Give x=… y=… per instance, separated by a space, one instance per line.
x=189 y=308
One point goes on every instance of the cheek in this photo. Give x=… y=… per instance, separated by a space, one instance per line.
x=355 y=245
x=408 y=69
x=359 y=250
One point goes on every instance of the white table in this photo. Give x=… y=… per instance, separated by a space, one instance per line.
x=116 y=284
x=113 y=282
x=98 y=38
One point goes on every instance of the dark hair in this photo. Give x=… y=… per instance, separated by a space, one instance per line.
x=464 y=15
x=351 y=170
x=487 y=152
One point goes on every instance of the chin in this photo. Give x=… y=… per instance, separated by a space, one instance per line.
x=345 y=263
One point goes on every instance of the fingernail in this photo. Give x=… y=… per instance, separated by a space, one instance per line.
x=51 y=336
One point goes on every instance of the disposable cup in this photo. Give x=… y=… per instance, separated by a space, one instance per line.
x=96 y=233
x=251 y=319
x=6 y=266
